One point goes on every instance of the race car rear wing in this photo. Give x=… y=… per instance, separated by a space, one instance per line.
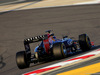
x=35 y=39
x=32 y=40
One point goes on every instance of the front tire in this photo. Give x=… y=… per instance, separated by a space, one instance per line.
x=58 y=50
x=21 y=60
x=84 y=42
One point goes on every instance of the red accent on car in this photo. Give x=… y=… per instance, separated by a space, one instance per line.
x=46 y=45
x=92 y=43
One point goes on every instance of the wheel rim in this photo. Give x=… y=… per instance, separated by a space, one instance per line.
x=64 y=51
x=36 y=55
x=88 y=41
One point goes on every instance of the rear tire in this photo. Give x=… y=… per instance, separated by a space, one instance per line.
x=58 y=50
x=21 y=60
x=84 y=42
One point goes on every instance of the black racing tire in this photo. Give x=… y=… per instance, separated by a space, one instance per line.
x=58 y=50
x=21 y=60
x=84 y=42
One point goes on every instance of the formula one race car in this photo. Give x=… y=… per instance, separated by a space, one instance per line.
x=49 y=48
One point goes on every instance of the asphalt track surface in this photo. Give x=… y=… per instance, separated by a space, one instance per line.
x=17 y=25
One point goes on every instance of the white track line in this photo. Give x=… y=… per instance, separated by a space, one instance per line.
x=92 y=2
x=12 y=2
x=19 y=7
x=82 y=3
